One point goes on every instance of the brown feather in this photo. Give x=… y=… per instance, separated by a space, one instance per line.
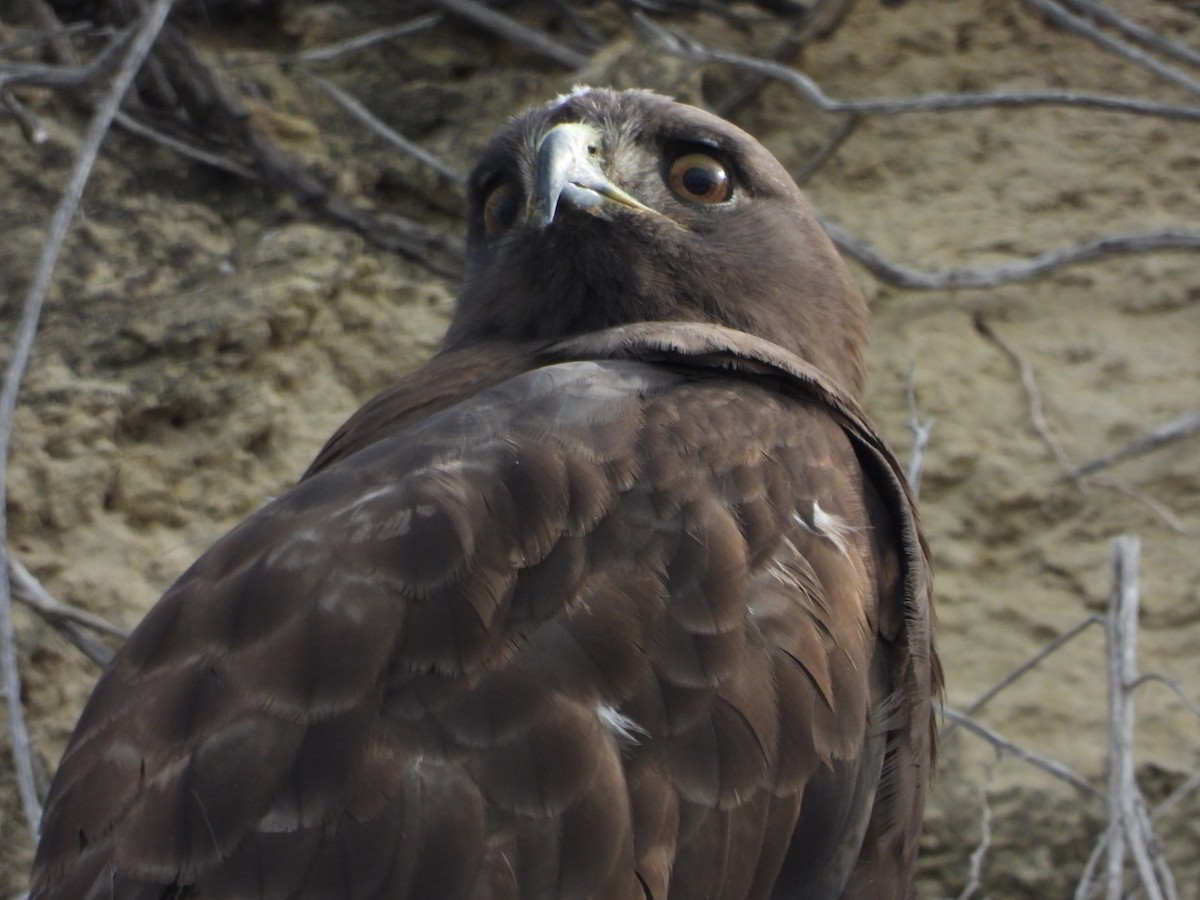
x=620 y=596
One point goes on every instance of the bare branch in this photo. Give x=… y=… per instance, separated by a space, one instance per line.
x=1174 y=684
x=369 y=38
x=1154 y=848
x=216 y=160
x=31 y=125
x=76 y=625
x=1082 y=26
x=51 y=31
x=979 y=854
x=920 y=431
x=1176 y=796
x=1022 y=270
x=1169 y=518
x=841 y=134
x=1177 y=428
x=96 y=69
x=678 y=44
x=514 y=31
x=139 y=48
x=1056 y=769
x=205 y=96
x=1138 y=32
x=1126 y=809
x=1029 y=382
x=385 y=131
x=1083 y=891
x=1122 y=650
x=1029 y=665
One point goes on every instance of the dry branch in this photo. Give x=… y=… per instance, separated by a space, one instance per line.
x=183 y=148
x=837 y=140
x=677 y=43
x=76 y=625
x=368 y=39
x=1177 y=796
x=385 y=131
x=1033 y=395
x=1029 y=665
x=1175 y=685
x=512 y=30
x=1157 y=437
x=94 y=71
x=1067 y=19
x=1136 y=31
x=1128 y=824
x=31 y=126
x=1003 y=744
x=920 y=431
x=979 y=854
x=1022 y=270
x=139 y=49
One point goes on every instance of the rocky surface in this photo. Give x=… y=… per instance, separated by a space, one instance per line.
x=202 y=338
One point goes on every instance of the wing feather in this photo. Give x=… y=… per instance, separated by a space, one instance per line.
x=572 y=632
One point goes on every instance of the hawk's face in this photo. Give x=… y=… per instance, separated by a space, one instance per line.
x=605 y=208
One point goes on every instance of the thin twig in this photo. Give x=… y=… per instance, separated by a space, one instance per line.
x=1029 y=665
x=216 y=160
x=33 y=594
x=1158 y=858
x=1029 y=382
x=49 y=29
x=209 y=99
x=96 y=69
x=1169 y=518
x=1137 y=31
x=979 y=854
x=1122 y=650
x=1021 y=270
x=1174 y=684
x=385 y=131
x=1177 y=796
x=139 y=49
x=1126 y=810
x=920 y=431
x=512 y=30
x=1082 y=26
x=369 y=38
x=1174 y=430
x=1051 y=767
x=841 y=134
x=1083 y=890
x=678 y=44
x=74 y=624
x=31 y=126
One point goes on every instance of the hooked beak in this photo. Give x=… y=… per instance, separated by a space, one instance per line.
x=568 y=171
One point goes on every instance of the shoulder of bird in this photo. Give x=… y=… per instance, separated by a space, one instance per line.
x=620 y=596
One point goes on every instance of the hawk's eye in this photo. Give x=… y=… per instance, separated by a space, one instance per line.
x=699 y=178
x=500 y=209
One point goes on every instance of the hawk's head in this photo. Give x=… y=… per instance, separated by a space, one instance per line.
x=604 y=208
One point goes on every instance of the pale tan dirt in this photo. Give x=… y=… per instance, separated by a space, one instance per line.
x=202 y=340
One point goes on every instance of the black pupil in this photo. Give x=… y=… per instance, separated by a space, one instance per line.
x=699 y=181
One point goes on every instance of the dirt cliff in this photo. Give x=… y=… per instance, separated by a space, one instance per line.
x=204 y=336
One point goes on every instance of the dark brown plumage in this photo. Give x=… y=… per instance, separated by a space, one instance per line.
x=620 y=596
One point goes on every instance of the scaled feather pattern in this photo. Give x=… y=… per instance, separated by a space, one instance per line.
x=620 y=596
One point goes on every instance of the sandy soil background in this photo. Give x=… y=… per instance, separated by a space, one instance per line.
x=203 y=338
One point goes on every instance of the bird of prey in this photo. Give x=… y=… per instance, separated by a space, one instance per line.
x=620 y=596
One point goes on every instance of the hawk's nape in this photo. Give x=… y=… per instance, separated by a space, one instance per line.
x=620 y=596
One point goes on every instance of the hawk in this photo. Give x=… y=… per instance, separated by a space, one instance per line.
x=620 y=596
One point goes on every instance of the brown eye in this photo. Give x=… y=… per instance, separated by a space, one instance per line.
x=500 y=209
x=699 y=178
